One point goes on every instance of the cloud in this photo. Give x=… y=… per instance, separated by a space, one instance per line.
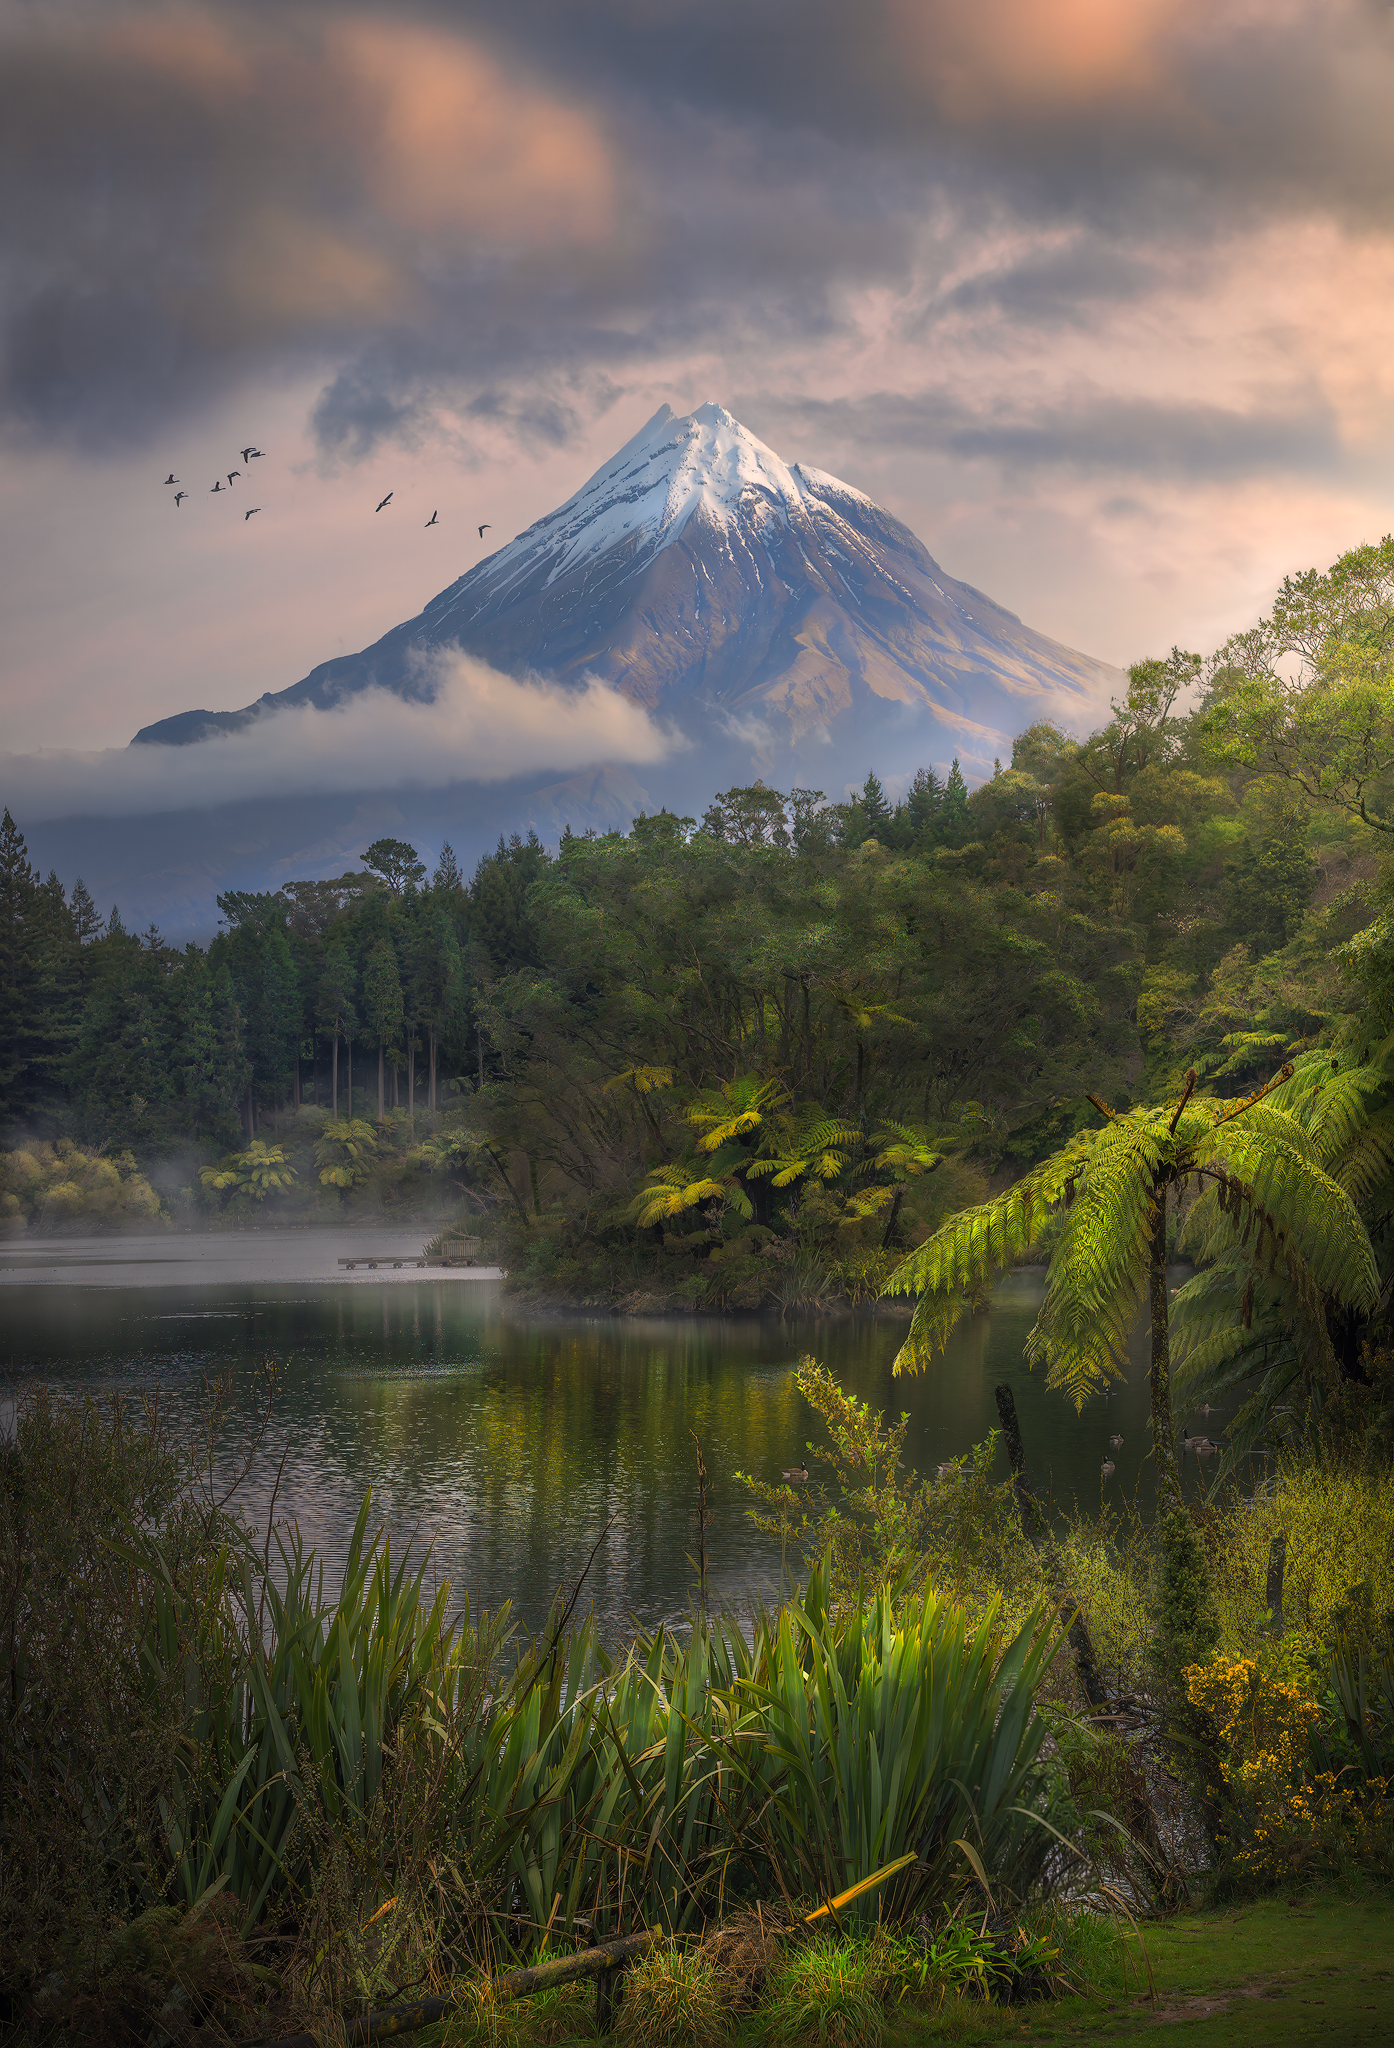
x=1094 y=434
x=480 y=726
x=189 y=193
x=441 y=205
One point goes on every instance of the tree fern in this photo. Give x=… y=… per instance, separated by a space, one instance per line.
x=1284 y=1248
x=1270 y=1212
x=1365 y=1166
x=973 y=1247
x=1095 y=1278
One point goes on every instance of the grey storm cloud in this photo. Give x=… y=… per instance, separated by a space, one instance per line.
x=499 y=204
x=1093 y=435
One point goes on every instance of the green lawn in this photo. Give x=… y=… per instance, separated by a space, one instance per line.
x=1314 y=1970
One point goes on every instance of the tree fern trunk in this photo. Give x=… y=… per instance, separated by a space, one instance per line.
x=1163 y=1432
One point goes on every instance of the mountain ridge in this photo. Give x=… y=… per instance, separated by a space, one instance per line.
x=703 y=578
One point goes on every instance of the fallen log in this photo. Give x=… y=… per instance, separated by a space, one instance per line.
x=406 y=2019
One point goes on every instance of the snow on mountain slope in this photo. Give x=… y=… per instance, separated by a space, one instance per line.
x=644 y=496
x=702 y=577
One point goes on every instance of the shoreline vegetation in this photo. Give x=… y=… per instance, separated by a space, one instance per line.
x=1130 y=1001
x=239 y=1805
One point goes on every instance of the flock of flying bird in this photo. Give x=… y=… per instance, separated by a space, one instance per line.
x=250 y=454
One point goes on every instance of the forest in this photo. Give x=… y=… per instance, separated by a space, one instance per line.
x=1131 y=1000
x=743 y=1061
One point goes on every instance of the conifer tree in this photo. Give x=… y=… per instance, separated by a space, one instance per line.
x=922 y=804
x=447 y=875
x=953 y=807
x=87 y=920
x=876 y=811
x=382 y=1003
x=18 y=890
x=230 y=1059
x=334 y=1005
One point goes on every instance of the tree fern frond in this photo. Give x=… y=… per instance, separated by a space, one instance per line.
x=1333 y=1100
x=1262 y=1124
x=1095 y=1280
x=1297 y=1208
x=825 y=1134
x=719 y=1130
x=1268 y=1414
x=975 y=1245
x=1083 y=1352
x=673 y=1190
x=1205 y=1233
x=1368 y=1158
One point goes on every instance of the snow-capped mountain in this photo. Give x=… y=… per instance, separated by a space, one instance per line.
x=744 y=600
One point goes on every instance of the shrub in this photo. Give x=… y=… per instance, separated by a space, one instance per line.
x=1339 y=1525
x=880 y=1523
x=1285 y=1820
x=830 y=1992
x=672 y=1995
x=87 y=1741
x=43 y=1184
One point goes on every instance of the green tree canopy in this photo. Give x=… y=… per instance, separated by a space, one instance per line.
x=1308 y=693
x=399 y=864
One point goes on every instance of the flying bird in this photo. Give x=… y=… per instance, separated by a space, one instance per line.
x=171 y=478
x=484 y=529
x=250 y=452
x=231 y=474
x=179 y=497
x=219 y=485
x=433 y=518
x=247 y=515
x=386 y=501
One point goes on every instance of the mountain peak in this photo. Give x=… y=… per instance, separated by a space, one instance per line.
x=698 y=573
x=703 y=463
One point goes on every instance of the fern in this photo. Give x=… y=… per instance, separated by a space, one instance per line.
x=1364 y=1165
x=1280 y=1228
x=1095 y=1278
x=1297 y=1209
x=973 y=1247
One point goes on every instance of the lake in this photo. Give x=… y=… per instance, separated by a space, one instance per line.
x=505 y=1442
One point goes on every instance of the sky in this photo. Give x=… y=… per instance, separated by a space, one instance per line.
x=1096 y=295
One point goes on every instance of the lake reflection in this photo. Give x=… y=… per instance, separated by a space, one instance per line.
x=507 y=1444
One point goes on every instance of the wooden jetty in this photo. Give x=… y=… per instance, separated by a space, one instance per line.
x=456 y=1251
